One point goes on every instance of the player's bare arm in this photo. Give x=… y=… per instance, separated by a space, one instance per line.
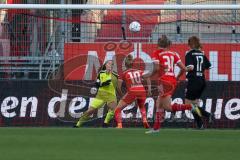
x=183 y=69
x=119 y=87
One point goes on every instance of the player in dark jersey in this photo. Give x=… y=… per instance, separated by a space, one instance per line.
x=196 y=82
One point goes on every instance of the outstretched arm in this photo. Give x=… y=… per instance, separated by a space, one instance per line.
x=119 y=87
x=101 y=82
x=183 y=69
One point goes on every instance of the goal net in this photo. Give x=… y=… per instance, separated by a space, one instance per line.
x=54 y=54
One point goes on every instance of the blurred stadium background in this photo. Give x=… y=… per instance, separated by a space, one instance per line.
x=36 y=34
x=49 y=59
x=44 y=52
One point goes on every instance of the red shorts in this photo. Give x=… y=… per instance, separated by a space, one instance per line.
x=137 y=93
x=167 y=85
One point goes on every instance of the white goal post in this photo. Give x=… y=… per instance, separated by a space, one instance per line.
x=120 y=7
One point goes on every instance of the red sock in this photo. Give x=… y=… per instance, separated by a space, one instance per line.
x=143 y=112
x=157 y=121
x=181 y=107
x=1 y=123
x=144 y=116
x=118 y=115
x=158 y=118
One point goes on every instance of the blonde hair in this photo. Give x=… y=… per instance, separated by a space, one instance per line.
x=164 y=42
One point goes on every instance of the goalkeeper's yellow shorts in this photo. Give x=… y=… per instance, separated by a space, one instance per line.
x=99 y=101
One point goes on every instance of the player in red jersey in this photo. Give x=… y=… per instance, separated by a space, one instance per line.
x=166 y=60
x=135 y=91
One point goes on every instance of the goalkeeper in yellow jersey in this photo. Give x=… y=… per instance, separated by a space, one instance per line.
x=107 y=83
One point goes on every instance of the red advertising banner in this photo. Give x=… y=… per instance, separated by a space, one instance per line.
x=82 y=60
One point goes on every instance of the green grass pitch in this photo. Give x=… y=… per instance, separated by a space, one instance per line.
x=117 y=144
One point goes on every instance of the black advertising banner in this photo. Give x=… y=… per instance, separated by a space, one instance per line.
x=61 y=103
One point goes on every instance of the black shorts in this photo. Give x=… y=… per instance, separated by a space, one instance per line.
x=194 y=88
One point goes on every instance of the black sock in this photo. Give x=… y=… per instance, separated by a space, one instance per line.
x=198 y=120
x=204 y=113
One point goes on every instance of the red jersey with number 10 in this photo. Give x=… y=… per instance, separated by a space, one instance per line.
x=167 y=60
x=133 y=79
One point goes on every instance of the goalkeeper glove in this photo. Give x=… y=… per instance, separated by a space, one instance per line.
x=106 y=83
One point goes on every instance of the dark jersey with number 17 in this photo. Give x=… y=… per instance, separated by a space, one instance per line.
x=199 y=61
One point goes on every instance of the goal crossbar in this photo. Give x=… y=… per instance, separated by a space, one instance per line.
x=120 y=7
